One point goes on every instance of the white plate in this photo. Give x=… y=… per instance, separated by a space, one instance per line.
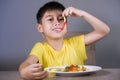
x=91 y=68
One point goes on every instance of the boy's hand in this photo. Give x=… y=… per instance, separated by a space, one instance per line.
x=71 y=11
x=34 y=71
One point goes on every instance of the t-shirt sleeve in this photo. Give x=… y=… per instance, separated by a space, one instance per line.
x=78 y=43
x=37 y=51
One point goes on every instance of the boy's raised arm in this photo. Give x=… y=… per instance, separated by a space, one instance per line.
x=100 y=28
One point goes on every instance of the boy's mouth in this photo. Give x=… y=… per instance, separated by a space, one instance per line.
x=57 y=29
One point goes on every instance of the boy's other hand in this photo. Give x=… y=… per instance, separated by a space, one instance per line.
x=34 y=71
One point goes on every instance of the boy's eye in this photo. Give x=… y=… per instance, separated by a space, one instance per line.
x=61 y=19
x=50 y=19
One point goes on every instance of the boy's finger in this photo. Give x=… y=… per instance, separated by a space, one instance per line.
x=34 y=70
x=41 y=75
x=36 y=65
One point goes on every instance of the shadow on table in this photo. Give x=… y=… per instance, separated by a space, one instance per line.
x=102 y=73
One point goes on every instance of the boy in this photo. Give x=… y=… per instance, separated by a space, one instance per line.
x=57 y=51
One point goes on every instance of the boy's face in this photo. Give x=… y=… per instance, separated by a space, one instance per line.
x=51 y=25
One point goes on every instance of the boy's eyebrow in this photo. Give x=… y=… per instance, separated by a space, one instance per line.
x=48 y=16
x=51 y=16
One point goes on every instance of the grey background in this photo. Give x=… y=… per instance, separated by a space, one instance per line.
x=18 y=31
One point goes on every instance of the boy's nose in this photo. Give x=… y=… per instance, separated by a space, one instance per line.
x=57 y=23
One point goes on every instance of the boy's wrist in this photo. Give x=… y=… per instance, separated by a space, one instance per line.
x=23 y=74
x=82 y=13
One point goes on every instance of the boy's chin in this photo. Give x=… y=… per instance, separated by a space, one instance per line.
x=57 y=37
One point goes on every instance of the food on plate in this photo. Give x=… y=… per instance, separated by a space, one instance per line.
x=75 y=68
x=56 y=69
x=71 y=68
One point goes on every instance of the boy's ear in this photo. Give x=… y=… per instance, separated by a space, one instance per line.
x=39 y=27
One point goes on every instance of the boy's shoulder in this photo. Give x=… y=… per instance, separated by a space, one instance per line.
x=74 y=37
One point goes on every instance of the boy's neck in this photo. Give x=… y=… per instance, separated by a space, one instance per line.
x=56 y=44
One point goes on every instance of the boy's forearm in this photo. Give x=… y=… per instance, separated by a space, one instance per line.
x=22 y=66
x=97 y=24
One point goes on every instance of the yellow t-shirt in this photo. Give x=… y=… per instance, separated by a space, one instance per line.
x=72 y=52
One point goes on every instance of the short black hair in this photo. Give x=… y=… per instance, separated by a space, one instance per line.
x=53 y=5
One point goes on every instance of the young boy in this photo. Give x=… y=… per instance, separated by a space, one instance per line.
x=57 y=51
